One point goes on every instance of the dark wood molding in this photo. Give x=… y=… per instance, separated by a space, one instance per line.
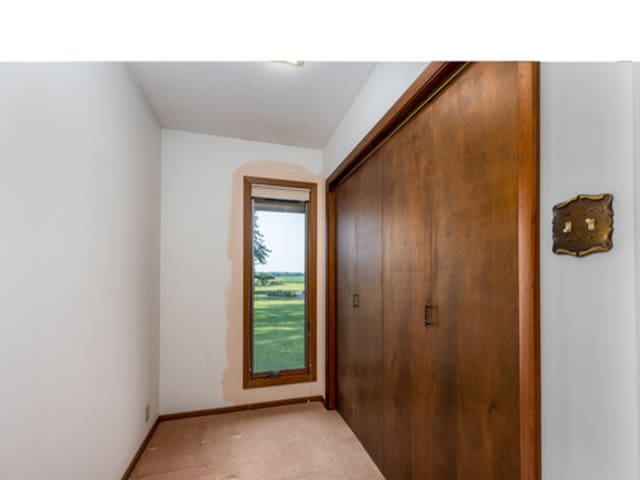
x=428 y=83
x=140 y=451
x=276 y=182
x=239 y=408
x=247 y=276
x=528 y=268
x=308 y=374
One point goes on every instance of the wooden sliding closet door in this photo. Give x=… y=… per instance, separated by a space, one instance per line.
x=474 y=346
x=407 y=370
x=437 y=369
x=359 y=301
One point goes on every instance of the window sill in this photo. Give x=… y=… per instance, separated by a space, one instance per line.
x=285 y=378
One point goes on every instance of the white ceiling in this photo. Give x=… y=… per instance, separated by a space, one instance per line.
x=264 y=101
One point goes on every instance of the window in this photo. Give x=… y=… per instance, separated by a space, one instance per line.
x=279 y=282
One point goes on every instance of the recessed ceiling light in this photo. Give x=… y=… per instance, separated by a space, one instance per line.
x=291 y=63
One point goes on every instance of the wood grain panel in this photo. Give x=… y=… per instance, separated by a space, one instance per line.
x=330 y=398
x=407 y=370
x=369 y=318
x=359 y=272
x=346 y=353
x=475 y=204
x=460 y=398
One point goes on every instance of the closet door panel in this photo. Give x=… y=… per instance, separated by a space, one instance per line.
x=475 y=221
x=359 y=273
x=347 y=379
x=431 y=219
x=369 y=289
x=406 y=277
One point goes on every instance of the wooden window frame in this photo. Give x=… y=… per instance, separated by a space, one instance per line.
x=308 y=374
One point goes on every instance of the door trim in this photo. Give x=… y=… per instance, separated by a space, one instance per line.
x=529 y=268
x=429 y=83
x=426 y=87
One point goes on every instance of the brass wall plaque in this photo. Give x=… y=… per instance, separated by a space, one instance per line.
x=583 y=225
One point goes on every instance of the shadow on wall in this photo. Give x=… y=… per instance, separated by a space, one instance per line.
x=232 y=391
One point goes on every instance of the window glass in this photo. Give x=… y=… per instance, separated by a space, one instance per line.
x=279 y=322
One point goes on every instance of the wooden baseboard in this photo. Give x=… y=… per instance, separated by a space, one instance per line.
x=138 y=454
x=239 y=408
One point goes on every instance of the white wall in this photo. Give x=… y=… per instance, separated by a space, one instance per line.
x=79 y=209
x=387 y=83
x=201 y=272
x=636 y=164
x=201 y=299
x=79 y=240
x=588 y=309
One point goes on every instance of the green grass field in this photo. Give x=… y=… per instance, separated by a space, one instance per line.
x=278 y=327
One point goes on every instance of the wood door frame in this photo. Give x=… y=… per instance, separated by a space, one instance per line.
x=426 y=87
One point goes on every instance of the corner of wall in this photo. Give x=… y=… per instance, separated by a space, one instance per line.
x=385 y=85
x=143 y=95
x=636 y=182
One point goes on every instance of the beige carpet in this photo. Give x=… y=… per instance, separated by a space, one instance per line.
x=296 y=442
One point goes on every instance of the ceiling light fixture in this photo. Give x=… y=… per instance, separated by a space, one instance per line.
x=291 y=63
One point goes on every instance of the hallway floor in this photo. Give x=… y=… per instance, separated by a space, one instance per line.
x=295 y=442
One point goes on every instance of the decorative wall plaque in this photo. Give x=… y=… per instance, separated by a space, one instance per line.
x=583 y=225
